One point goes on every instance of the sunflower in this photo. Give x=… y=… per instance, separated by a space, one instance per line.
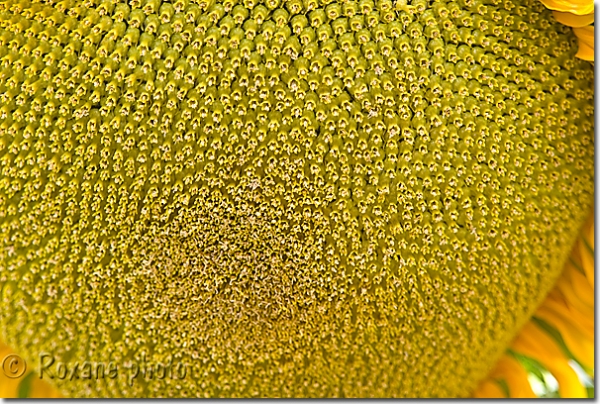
x=299 y=198
x=558 y=340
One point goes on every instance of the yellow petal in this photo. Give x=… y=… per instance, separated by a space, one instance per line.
x=573 y=20
x=588 y=231
x=41 y=389
x=8 y=387
x=538 y=345
x=583 y=322
x=515 y=376
x=585 y=52
x=569 y=385
x=489 y=389
x=586 y=246
x=573 y=298
x=582 y=286
x=580 y=346
x=582 y=7
x=586 y=43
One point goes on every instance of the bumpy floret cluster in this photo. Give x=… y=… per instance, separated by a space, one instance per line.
x=299 y=198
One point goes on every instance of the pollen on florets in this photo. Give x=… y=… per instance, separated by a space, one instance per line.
x=299 y=198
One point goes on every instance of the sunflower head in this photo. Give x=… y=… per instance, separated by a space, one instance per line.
x=297 y=198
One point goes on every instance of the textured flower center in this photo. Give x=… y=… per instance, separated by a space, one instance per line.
x=221 y=268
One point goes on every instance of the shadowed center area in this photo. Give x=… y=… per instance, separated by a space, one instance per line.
x=220 y=268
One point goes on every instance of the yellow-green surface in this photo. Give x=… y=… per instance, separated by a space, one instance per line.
x=299 y=198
